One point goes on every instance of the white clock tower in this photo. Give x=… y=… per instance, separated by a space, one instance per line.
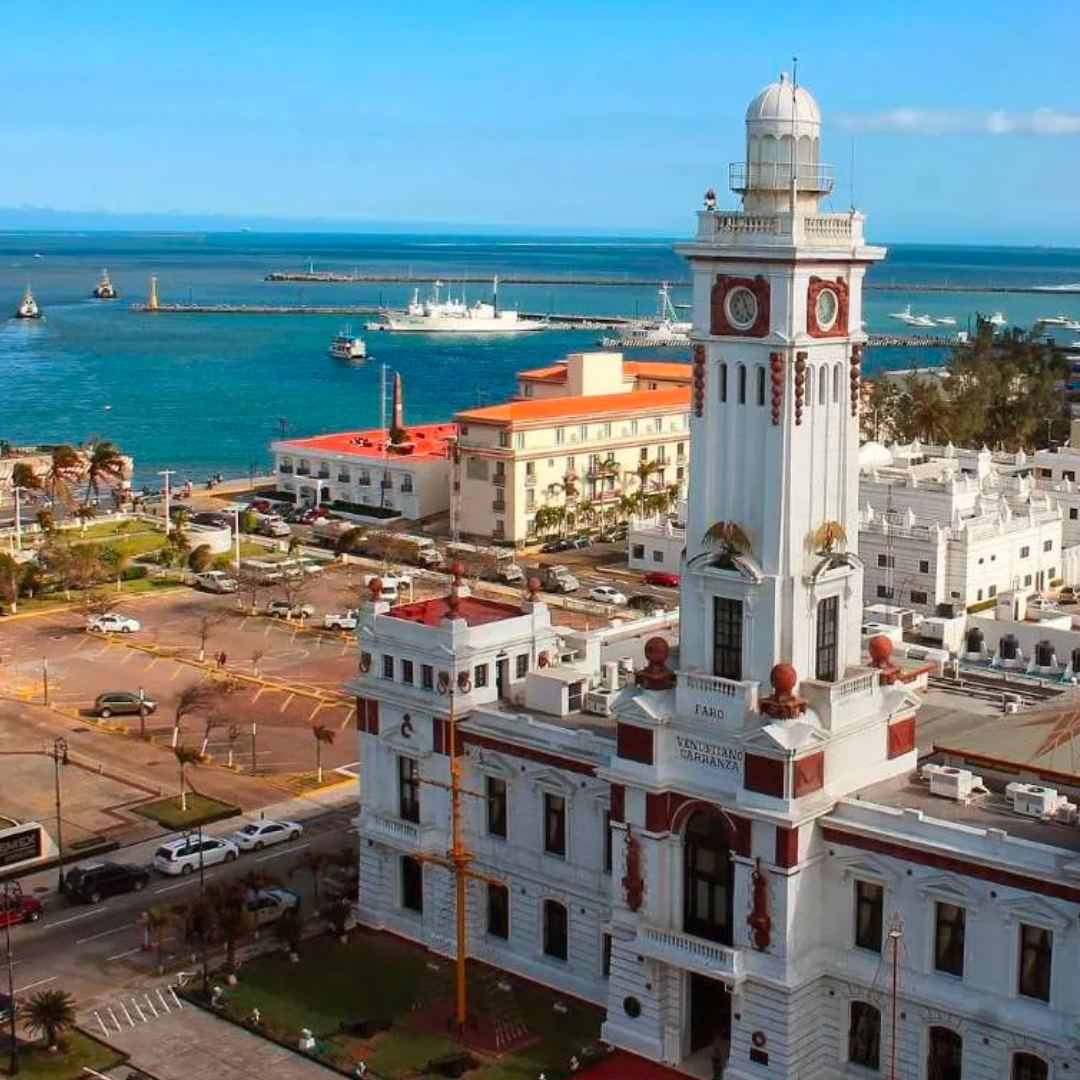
x=725 y=767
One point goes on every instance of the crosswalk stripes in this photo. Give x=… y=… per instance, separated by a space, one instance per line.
x=140 y=1008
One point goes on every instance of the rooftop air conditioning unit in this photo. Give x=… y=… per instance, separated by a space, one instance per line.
x=610 y=678
x=951 y=783
x=598 y=703
x=1032 y=800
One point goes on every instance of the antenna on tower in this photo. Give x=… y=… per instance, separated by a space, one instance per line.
x=794 y=138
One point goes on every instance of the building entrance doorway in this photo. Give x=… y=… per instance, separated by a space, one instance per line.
x=710 y=1015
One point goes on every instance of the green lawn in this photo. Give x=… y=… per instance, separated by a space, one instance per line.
x=380 y=976
x=200 y=810
x=77 y=1051
x=72 y=599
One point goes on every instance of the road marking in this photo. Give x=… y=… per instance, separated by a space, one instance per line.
x=276 y=854
x=169 y=888
x=30 y=986
x=76 y=918
x=121 y=955
x=104 y=933
x=178 y=671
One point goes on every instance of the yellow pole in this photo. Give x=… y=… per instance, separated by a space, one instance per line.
x=460 y=859
x=153 y=294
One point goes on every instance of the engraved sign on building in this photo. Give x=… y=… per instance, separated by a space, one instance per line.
x=20 y=844
x=711 y=755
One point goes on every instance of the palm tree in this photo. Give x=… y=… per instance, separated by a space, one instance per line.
x=23 y=476
x=104 y=463
x=644 y=473
x=185 y=756
x=314 y=863
x=324 y=736
x=158 y=920
x=48 y=1013
x=65 y=467
x=587 y=513
x=191 y=699
x=548 y=519
x=226 y=904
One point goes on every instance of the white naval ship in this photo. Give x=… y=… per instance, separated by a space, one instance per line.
x=434 y=315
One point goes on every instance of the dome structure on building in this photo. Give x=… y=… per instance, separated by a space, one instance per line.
x=783 y=144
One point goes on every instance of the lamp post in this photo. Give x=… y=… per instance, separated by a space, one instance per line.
x=236 y=540
x=168 y=520
x=254 y=730
x=60 y=757
x=18 y=516
x=203 y=920
x=13 y=1060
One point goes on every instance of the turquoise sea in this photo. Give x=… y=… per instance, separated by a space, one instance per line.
x=206 y=393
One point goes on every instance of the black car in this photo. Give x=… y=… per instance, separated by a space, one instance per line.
x=93 y=882
x=557 y=545
x=215 y=521
x=122 y=703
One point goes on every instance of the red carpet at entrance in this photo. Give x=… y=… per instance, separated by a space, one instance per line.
x=624 y=1066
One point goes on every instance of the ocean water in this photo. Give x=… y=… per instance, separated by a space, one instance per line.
x=206 y=393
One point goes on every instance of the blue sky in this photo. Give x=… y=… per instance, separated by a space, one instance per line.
x=595 y=116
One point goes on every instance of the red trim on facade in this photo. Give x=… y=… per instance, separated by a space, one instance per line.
x=634 y=743
x=840 y=327
x=787 y=846
x=901 y=737
x=776 y=376
x=800 y=385
x=809 y=774
x=698 y=380
x=618 y=802
x=764 y=775
x=556 y=761
x=724 y=285
x=911 y=674
x=941 y=861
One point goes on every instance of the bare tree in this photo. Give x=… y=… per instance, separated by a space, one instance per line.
x=206 y=626
x=192 y=699
x=234 y=738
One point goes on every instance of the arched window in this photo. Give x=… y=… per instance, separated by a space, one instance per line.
x=555 y=930
x=722 y=373
x=809 y=386
x=760 y=379
x=823 y=385
x=741 y=369
x=944 y=1054
x=864 y=1035
x=837 y=377
x=707 y=878
x=1029 y=1067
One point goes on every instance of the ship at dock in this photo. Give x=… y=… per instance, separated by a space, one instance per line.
x=666 y=330
x=434 y=315
x=28 y=308
x=105 y=289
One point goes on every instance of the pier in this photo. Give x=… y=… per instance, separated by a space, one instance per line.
x=334 y=277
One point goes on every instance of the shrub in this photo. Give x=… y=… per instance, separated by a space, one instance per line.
x=249 y=522
x=134 y=573
x=202 y=558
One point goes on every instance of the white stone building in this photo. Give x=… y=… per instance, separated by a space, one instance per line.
x=941 y=526
x=772 y=861
x=1056 y=473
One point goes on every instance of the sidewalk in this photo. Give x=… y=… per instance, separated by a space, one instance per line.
x=186 y=1043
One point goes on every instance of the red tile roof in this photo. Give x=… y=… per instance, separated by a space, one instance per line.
x=474 y=611
x=429 y=441
x=586 y=407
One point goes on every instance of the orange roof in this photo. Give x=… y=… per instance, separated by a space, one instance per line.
x=552 y=371
x=428 y=441
x=658 y=369
x=532 y=410
x=472 y=609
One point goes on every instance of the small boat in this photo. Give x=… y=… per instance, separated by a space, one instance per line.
x=28 y=308
x=921 y=320
x=105 y=289
x=946 y=320
x=904 y=316
x=998 y=319
x=347 y=347
x=1062 y=322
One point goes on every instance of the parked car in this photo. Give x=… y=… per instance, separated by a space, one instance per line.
x=554 y=546
x=176 y=509
x=272 y=525
x=1068 y=595
x=184 y=855
x=112 y=622
x=122 y=703
x=1041 y=603
x=579 y=542
x=262 y=506
x=268 y=905
x=342 y=620
x=93 y=882
x=661 y=577
x=256 y=835
x=216 y=581
x=17 y=907
x=392 y=584
x=212 y=519
x=607 y=594
x=282 y=609
x=613 y=536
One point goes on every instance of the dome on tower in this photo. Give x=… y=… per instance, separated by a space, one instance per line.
x=781 y=102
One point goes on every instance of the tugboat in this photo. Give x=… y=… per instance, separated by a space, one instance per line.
x=346 y=347
x=105 y=289
x=28 y=308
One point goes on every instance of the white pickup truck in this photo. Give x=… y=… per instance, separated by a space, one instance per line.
x=392 y=584
x=345 y=620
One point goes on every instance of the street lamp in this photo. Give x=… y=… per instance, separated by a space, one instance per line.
x=18 y=515
x=203 y=920
x=60 y=757
x=254 y=730
x=13 y=1061
x=236 y=538
x=167 y=473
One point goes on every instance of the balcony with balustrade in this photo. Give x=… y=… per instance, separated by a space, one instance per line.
x=404 y=835
x=712 y=700
x=689 y=953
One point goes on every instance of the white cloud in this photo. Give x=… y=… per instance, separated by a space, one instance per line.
x=947 y=121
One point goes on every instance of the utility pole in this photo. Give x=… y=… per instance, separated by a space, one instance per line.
x=236 y=540
x=13 y=1060
x=168 y=520
x=60 y=757
x=896 y=934
x=203 y=920
x=254 y=729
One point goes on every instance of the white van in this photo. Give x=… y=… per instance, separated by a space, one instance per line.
x=183 y=856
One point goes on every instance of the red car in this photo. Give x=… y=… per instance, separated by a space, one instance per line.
x=661 y=577
x=16 y=907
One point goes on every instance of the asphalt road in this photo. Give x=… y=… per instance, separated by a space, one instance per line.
x=91 y=950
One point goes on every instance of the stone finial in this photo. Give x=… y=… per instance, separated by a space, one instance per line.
x=376 y=587
x=656 y=675
x=533 y=585
x=783 y=703
x=880 y=649
x=453 y=601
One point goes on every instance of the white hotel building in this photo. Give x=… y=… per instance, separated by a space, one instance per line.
x=720 y=853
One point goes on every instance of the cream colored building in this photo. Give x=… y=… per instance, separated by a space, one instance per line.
x=569 y=423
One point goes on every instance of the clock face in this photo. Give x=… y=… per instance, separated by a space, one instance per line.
x=741 y=308
x=827 y=309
